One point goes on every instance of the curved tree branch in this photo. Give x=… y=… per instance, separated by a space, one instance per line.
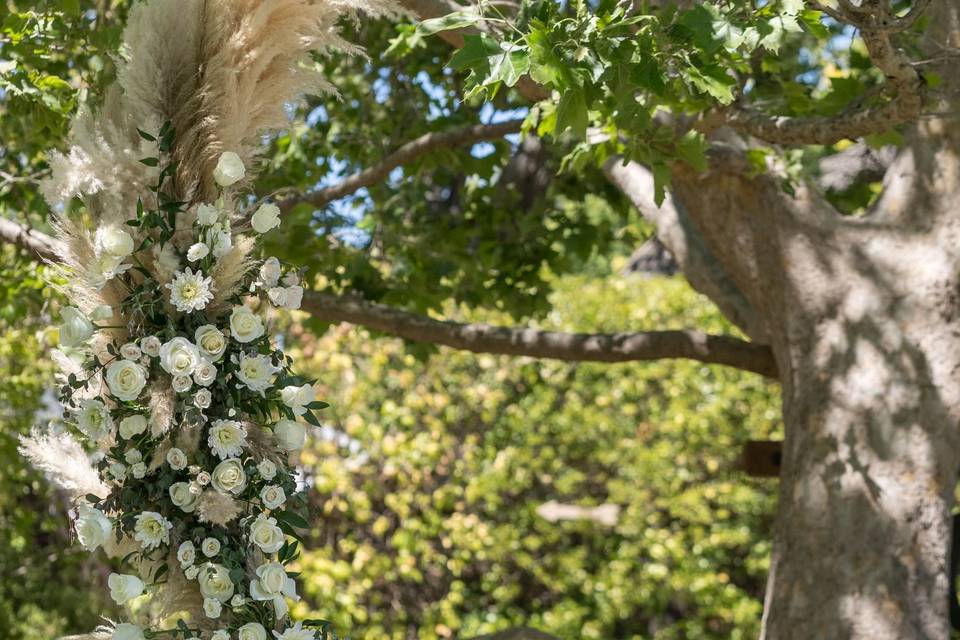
x=575 y=347
x=39 y=244
x=405 y=154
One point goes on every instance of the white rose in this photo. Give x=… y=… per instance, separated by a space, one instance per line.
x=179 y=357
x=181 y=383
x=92 y=527
x=152 y=529
x=252 y=631
x=210 y=341
x=210 y=547
x=191 y=572
x=132 y=426
x=127 y=631
x=205 y=374
x=267 y=469
x=176 y=458
x=126 y=379
x=113 y=241
x=266 y=217
x=265 y=533
x=186 y=554
x=245 y=325
x=278 y=296
x=203 y=478
x=197 y=251
x=297 y=398
x=273 y=583
x=229 y=477
x=256 y=372
x=222 y=243
x=202 y=398
x=76 y=328
x=212 y=608
x=237 y=600
x=118 y=470
x=270 y=272
x=273 y=496
x=94 y=420
x=183 y=497
x=124 y=587
x=220 y=634
x=215 y=582
x=294 y=297
x=138 y=470
x=291 y=279
x=290 y=435
x=130 y=351
x=207 y=214
x=150 y=346
x=229 y=169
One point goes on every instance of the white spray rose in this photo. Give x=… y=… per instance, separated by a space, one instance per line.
x=118 y=470
x=186 y=554
x=297 y=398
x=138 y=470
x=267 y=217
x=132 y=456
x=229 y=169
x=212 y=609
x=290 y=435
x=197 y=251
x=132 y=426
x=76 y=328
x=210 y=547
x=229 y=477
x=181 y=383
x=183 y=497
x=190 y=573
x=176 y=458
x=245 y=325
x=256 y=372
x=270 y=272
x=273 y=496
x=215 y=582
x=252 y=631
x=205 y=374
x=124 y=587
x=94 y=420
x=127 y=631
x=130 y=351
x=265 y=533
x=202 y=398
x=227 y=438
x=150 y=346
x=126 y=379
x=92 y=527
x=152 y=529
x=211 y=342
x=267 y=469
x=179 y=357
x=237 y=600
x=207 y=215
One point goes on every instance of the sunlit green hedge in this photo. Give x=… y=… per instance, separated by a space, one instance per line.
x=426 y=507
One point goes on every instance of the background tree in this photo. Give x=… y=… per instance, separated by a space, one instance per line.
x=739 y=133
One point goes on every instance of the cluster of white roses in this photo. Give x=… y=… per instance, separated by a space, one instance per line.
x=193 y=429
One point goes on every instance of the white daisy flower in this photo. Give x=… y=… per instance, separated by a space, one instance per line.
x=227 y=438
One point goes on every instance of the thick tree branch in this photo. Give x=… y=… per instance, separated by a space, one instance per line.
x=576 y=347
x=37 y=243
x=517 y=633
x=405 y=154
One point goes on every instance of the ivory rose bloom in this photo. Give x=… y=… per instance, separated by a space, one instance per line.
x=186 y=554
x=273 y=496
x=297 y=398
x=124 y=587
x=76 y=328
x=229 y=477
x=267 y=217
x=245 y=325
x=92 y=527
x=176 y=458
x=290 y=435
x=113 y=241
x=179 y=357
x=126 y=379
x=181 y=383
x=265 y=533
x=205 y=374
x=267 y=469
x=211 y=342
x=210 y=547
x=202 y=398
x=212 y=609
x=150 y=346
x=252 y=631
x=256 y=372
x=229 y=169
x=215 y=582
x=130 y=351
x=273 y=583
x=183 y=497
x=197 y=251
x=132 y=426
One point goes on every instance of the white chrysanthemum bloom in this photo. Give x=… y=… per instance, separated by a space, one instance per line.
x=212 y=608
x=256 y=372
x=124 y=587
x=277 y=296
x=202 y=398
x=205 y=373
x=119 y=471
x=229 y=477
x=211 y=342
x=127 y=631
x=130 y=351
x=94 y=420
x=132 y=426
x=296 y=632
x=297 y=398
x=176 y=458
x=273 y=496
x=229 y=169
x=222 y=243
x=269 y=272
x=245 y=325
x=267 y=469
x=150 y=346
x=267 y=217
x=210 y=547
x=92 y=527
x=133 y=456
x=290 y=435
x=252 y=631
x=126 y=379
x=181 y=384
x=207 y=215
x=215 y=582
x=152 y=529
x=197 y=251
x=272 y=583
x=227 y=438
x=186 y=554
x=76 y=328
x=190 y=291
x=265 y=533
x=138 y=470
x=183 y=497
x=179 y=357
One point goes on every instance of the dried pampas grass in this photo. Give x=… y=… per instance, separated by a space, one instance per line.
x=64 y=462
x=217 y=508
